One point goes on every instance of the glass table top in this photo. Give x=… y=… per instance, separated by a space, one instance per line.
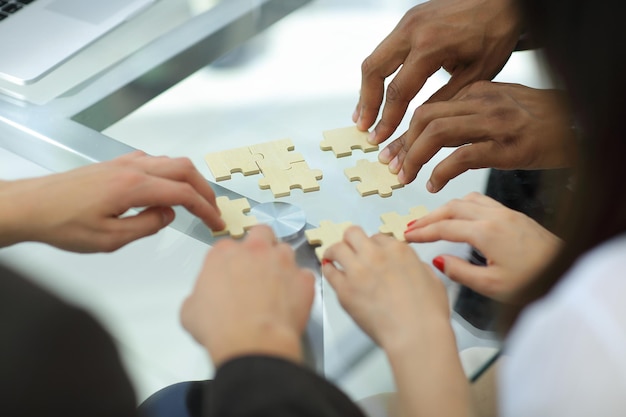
x=173 y=90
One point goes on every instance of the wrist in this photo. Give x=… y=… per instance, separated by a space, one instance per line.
x=14 y=219
x=268 y=339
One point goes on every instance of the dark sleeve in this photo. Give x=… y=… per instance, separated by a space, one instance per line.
x=56 y=360
x=267 y=386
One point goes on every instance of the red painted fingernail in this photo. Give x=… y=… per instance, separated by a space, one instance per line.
x=411 y=223
x=439 y=263
x=325 y=261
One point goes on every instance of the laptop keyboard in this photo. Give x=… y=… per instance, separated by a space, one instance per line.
x=10 y=7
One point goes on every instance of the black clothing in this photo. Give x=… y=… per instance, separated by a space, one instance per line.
x=56 y=360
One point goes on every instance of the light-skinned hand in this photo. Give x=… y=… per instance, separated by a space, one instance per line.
x=384 y=286
x=517 y=248
x=85 y=209
x=250 y=298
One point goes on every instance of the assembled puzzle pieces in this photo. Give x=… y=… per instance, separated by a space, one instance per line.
x=281 y=181
x=326 y=235
x=233 y=214
x=395 y=224
x=342 y=141
x=282 y=168
x=375 y=178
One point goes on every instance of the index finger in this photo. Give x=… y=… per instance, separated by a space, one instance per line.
x=409 y=80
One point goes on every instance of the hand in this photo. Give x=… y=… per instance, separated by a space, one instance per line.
x=471 y=39
x=250 y=298
x=516 y=247
x=509 y=126
x=81 y=210
x=384 y=286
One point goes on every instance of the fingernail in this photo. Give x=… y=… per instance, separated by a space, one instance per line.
x=430 y=187
x=411 y=223
x=355 y=115
x=326 y=261
x=394 y=165
x=168 y=216
x=439 y=263
x=402 y=177
x=372 y=137
x=385 y=156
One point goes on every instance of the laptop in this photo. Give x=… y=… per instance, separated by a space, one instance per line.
x=39 y=35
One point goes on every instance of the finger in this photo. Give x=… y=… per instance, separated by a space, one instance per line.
x=422 y=117
x=473 y=276
x=462 y=231
x=440 y=133
x=128 y=229
x=335 y=277
x=390 y=152
x=355 y=238
x=482 y=199
x=181 y=169
x=383 y=62
x=341 y=254
x=462 y=209
x=460 y=78
x=155 y=191
x=473 y=156
x=400 y=91
x=261 y=233
x=382 y=240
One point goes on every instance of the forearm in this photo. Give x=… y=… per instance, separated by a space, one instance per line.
x=428 y=373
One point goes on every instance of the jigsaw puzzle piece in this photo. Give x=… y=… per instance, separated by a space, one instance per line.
x=276 y=154
x=326 y=235
x=342 y=141
x=233 y=214
x=395 y=224
x=281 y=181
x=224 y=163
x=375 y=178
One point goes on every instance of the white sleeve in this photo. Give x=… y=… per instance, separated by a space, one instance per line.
x=567 y=354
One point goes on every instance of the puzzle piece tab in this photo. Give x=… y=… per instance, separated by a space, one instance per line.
x=233 y=215
x=281 y=181
x=395 y=224
x=326 y=235
x=342 y=141
x=375 y=178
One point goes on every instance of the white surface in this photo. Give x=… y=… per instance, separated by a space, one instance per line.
x=303 y=78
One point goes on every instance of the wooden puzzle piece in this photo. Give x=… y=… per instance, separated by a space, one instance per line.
x=277 y=154
x=342 y=141
x=223 y=164
x=233 y=215
x=375 y=178
x=281 y=181
x=395 y=224
x=326 y=235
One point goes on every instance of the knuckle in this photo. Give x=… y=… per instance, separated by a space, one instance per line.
x=367 y=66
x=394 y=92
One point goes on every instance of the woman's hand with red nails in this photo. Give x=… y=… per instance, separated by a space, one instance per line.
x=516 y=247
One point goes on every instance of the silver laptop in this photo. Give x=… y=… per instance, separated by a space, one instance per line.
x=39 y=35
